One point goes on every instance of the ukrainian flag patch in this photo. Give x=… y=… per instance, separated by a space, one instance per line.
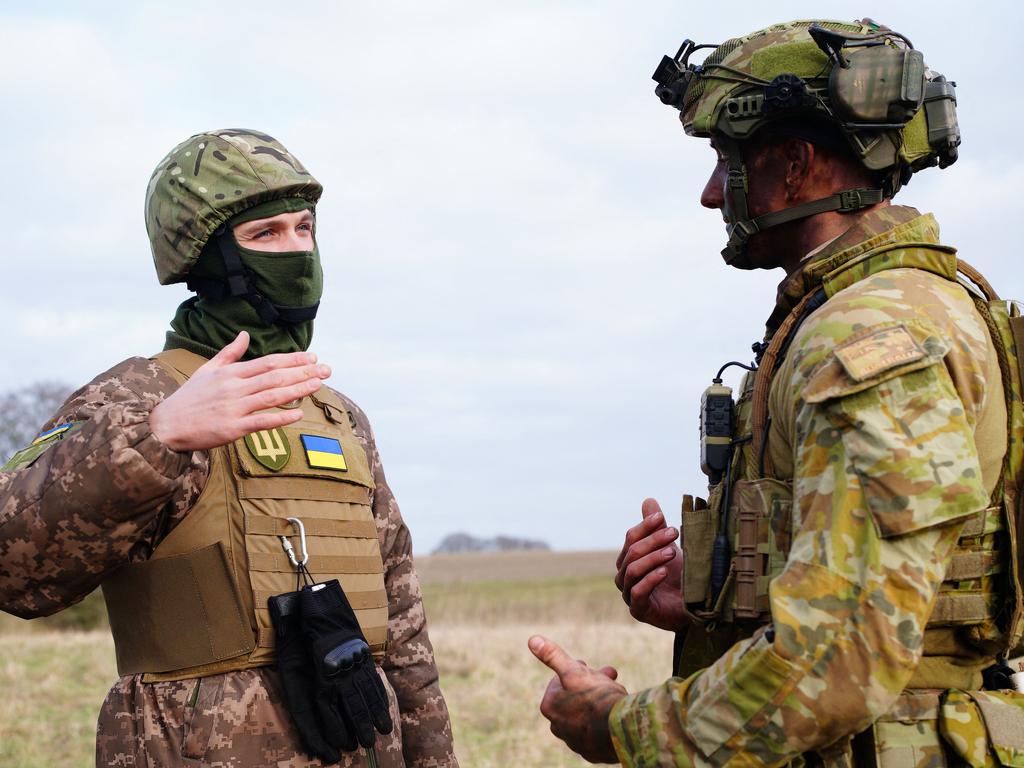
x=60 y=429
x=324 y=452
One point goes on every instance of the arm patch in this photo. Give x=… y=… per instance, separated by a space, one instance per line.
x=884 y=349
x=27 y=455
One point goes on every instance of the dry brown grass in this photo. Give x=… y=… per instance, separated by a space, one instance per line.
x=481 y=612
x=527 y=565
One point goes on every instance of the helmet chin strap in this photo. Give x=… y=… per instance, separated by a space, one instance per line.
x=742 y=227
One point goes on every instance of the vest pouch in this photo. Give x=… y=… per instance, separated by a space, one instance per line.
x=698 y=529
x=906 y=735
x=176 y=612
x=984 y=728
x=762 y=512
x=1014 y=506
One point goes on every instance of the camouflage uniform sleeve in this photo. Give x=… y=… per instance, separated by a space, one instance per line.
x=409 y=663
x=95 y=500
x=883 y=478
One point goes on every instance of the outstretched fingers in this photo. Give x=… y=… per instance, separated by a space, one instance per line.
x=283 y=377
x=272 y=398
x=274 y=362
x=258 y=422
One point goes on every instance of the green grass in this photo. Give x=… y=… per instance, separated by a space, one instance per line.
x=53 y=683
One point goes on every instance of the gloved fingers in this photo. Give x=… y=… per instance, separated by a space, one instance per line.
x=335 y=729
x=355 y=708
x=312 y=738
x=377 y=698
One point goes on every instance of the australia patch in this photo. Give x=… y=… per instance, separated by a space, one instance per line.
x=884 y=349
x=324 y=452
x=270 y=447
x=27 y=456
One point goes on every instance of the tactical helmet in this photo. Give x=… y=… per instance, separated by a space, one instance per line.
x=860 y=83
x=206 y=180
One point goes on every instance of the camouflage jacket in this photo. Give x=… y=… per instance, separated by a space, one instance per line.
x=105 y=495
x=884 y=468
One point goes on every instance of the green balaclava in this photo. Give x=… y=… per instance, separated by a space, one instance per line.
x=208 y=185
x=288 y=282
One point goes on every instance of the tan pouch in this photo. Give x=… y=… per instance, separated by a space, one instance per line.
x=984 y=728
x=763 y=511
x=698 y=539
x=907 y=736
x=176 y=612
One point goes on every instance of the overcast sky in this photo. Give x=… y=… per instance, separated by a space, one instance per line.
x=522 y=290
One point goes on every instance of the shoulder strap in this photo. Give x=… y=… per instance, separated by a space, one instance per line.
x=181 y=363
x=770 y=361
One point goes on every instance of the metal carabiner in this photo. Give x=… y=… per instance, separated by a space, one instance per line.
x=302 y=544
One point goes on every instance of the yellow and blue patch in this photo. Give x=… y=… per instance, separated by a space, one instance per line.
x=28 y=455
x=60 y=429
x=324 y=452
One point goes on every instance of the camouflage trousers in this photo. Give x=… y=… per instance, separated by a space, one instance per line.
x=233 y=720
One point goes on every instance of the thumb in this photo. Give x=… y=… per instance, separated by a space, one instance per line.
x=233 y=351
x=650 y=507
x=552 y=655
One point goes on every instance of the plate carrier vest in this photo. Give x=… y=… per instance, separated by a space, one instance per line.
x=198 y=605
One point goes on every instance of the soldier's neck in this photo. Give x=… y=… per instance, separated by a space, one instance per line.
x=818 y=231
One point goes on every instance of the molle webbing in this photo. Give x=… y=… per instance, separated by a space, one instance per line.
x=1006 y=326
x=969 y=594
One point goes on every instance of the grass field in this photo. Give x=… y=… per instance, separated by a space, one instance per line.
x=481 y=610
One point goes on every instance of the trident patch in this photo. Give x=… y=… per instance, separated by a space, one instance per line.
x=270 y=447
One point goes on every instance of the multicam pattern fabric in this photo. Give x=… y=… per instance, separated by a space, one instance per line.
x=103 y=497
x=885 y=470
x=206 y=180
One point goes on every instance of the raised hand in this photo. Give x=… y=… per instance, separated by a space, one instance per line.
x=226 y=399
x=649 y=571
x=578 y=701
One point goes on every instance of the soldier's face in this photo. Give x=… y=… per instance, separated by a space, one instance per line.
x=283 y=233
x=765 y=193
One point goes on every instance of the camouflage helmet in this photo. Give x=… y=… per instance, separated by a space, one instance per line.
x=864 y=79
x=854 y=86
x=206 y=180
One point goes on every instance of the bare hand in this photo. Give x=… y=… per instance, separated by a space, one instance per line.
x=225 y=399
x=578 y=701
x=649 y=571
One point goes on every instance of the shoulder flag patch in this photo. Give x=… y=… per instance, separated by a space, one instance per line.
x=60 y=429
x=324 y=452
x=27 y=456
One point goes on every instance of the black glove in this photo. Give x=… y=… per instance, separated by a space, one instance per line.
x=297 y=675
x=350 y=697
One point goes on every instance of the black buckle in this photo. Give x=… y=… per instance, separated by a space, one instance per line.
x=850 y=200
